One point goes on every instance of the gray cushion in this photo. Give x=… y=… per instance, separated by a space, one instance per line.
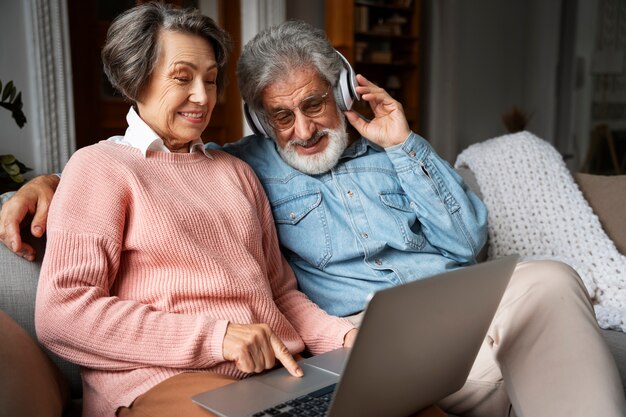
x=617 y=345
x=18 y=287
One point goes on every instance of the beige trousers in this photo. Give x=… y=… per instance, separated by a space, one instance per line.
x=543 y=354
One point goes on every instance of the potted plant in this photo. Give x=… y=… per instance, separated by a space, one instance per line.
x=11 y=177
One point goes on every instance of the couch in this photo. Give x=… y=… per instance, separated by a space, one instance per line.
x=34 y=382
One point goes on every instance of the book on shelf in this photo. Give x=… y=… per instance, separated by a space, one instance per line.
x=361 y=19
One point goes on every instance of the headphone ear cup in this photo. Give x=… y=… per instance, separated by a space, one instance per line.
x=345 y=89
x=254 y=121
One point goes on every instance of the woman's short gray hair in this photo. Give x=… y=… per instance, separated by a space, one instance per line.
x=131 y=49
x=274 y=52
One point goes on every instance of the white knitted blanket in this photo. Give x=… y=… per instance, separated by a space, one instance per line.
x=537 y=210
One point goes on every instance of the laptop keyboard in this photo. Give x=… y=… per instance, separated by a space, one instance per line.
x=312 y=405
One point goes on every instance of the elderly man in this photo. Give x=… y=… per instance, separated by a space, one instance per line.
x=356 y=217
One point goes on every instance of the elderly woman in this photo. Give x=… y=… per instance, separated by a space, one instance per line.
x=162 y=276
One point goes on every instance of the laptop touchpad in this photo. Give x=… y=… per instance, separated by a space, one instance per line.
x=314 y=378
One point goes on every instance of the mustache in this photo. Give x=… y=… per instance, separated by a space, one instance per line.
x=315 y=137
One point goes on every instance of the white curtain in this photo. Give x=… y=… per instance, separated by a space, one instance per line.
x=440 y=122
x=52 y=81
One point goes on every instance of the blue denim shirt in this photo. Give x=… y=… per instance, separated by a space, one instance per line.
x=378 y=219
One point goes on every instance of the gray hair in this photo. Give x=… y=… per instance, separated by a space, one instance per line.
x=131 y=49
x=274 y=52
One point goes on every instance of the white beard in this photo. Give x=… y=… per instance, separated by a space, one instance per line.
x=322 y=161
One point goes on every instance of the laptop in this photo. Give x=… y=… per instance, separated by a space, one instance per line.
x=416 y=345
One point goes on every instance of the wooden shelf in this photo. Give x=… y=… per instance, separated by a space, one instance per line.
x=376 y=35
x=382 y=41
x=399 y=5
x=406 y=64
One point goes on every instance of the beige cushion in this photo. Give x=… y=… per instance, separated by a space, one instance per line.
x=31 y=386
x=607 y=198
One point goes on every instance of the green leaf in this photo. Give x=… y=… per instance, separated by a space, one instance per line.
x=19 y=117
x=11 y=172
x=12 y=101
x=17 y=112
x=11 y=169
x=13 y=92
x=7 y=90
x=7 y=159
x=18 y=178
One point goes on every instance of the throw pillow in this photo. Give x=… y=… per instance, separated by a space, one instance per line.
x=607 y=197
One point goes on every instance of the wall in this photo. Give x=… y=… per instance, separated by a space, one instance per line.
x=483 y=58
x=15 y=62
x=490 y=67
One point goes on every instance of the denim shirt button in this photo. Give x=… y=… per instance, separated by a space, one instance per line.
x=412 y=154
x=365 y=235
x=350 y=194
x=292 y=215
x=378 y=262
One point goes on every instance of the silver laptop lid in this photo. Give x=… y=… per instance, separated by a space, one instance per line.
x=418 y=341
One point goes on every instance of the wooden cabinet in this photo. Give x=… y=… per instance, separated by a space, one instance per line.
x=381 y=39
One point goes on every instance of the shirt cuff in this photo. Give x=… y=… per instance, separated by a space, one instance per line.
x=414 y=147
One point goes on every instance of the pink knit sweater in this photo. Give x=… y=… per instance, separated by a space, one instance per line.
x=147 y=260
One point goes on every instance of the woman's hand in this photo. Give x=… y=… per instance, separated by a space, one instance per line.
x=389 y=126
x=255 y=348
x=33 y=198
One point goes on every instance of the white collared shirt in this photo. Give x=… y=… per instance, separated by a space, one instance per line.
x=139 y=135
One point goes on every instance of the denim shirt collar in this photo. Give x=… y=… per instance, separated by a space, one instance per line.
x=359 y=148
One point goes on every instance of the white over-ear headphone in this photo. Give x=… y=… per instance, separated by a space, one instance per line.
x=344 y=92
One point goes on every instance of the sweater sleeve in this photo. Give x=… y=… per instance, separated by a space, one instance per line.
x=320 y=331
x=76 y=315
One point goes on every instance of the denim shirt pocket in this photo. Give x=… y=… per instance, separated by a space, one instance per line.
x=298 y=218
x=401 y=209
